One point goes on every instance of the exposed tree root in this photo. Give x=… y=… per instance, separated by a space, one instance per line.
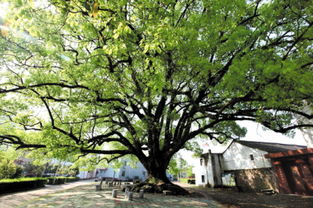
x=159 y=188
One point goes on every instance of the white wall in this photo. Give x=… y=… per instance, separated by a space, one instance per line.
x=108 y=173
x=208 y=171
x=237 y=157
x=131 y=173
x=86 y=174
x=82 y=174
x=200 y=170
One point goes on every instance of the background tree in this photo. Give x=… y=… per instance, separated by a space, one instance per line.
x=33 y=170
x=179 y=167
x=144 y=78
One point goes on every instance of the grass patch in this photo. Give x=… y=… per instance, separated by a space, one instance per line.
x=185 y=180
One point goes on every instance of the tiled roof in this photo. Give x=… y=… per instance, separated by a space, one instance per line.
x=270 y=147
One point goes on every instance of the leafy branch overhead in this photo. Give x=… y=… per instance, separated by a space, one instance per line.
x=145 y=77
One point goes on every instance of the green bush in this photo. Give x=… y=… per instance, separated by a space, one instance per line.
x=61 y=180
x=19 y=184
x=18 y=171
x=7 y=169
x=72 y=179
x=11 y=180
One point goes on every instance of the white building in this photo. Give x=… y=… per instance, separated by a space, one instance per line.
x=86 y=174
x=126 y=172
x=241 y=162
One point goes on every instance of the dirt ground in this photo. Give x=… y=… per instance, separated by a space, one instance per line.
x=234 y=199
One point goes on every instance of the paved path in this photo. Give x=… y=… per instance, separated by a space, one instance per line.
x=84 y=195
x=15 y=199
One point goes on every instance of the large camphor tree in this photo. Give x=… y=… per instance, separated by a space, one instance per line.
x=144 y=78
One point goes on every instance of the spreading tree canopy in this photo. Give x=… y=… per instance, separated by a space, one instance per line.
x=144 y=78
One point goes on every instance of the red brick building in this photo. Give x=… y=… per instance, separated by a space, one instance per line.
x=294 y=171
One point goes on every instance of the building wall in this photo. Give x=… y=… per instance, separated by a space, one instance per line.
x=82 y=174
x=217 y=170
x=86 y=174
x=200 y=171
x=107 y=173
x=238 y=157
x=126 y=172
x=255 y=180
x=294 y=171
x=240 y=162
x=208 y=171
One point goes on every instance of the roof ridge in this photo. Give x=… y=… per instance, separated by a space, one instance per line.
x=269 y=143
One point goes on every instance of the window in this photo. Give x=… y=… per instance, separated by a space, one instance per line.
x=251 y=157
x=123 y=173
x=201 y=161
x=202 y=178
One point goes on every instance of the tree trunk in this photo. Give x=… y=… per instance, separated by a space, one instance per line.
x=157 y=180
x=156 y=167
x=157 y=176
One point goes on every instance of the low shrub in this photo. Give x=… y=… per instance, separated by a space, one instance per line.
x=11 y=180
x=72 y=179
x=7 y=169
x=20 y=184
x=61 y=180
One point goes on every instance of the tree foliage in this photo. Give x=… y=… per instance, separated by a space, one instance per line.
x=179 y=167
x=144 y=78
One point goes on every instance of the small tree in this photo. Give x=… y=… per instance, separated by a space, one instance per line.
x=179 y=167
x=173 y=167
x=68 y=170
